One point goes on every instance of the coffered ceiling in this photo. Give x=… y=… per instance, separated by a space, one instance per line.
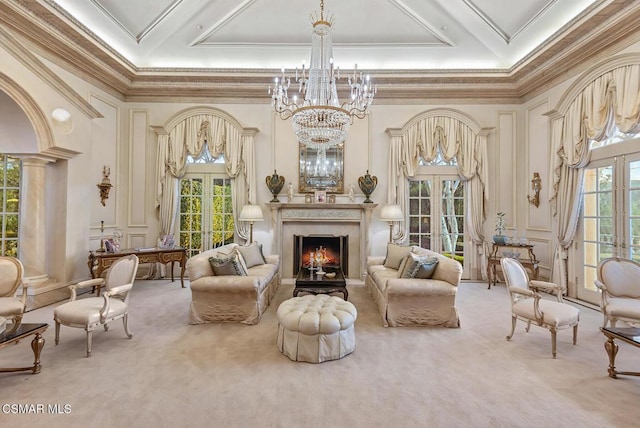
x=495 y=50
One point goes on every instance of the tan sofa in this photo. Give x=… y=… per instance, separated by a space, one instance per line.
x=229 y=298
x=415 y=301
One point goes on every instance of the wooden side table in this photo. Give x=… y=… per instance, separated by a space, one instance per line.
x=98 y=261
x=530 y=262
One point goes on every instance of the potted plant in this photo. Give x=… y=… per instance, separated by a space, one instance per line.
x=500 y=238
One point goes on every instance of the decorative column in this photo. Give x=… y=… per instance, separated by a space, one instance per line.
x=32 y=228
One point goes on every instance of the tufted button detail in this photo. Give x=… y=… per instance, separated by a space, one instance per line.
x=316 y=314
x=316 y=328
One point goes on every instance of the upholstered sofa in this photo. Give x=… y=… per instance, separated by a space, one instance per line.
x=407 y=301
x=231 y=297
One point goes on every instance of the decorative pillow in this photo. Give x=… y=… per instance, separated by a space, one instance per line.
x=412 y=265
x=395 y=254
x=227 y=266
x=241 y=260
x=252 y=254
x=403 y=265
x=425 y=270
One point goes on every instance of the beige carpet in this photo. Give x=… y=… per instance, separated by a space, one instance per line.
x=172 y=374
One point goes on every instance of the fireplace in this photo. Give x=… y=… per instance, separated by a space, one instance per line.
x=334 y=250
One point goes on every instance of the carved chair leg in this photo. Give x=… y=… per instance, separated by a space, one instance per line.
x=513 y=327
x=575 y=334
x=106 y=327
x=553 y=342
x=125 y=323
x=57 y=332
x=89 y=339
x=606 y=319
x=528 y=326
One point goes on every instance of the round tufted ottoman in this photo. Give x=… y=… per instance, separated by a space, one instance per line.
x=316 y=328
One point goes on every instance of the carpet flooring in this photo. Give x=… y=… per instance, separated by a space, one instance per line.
x=172 y=374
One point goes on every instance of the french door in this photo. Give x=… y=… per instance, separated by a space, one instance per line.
x=436 y=216
x=206 y=212
x=610 y=222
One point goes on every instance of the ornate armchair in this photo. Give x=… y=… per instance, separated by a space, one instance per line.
x=619 y=282
x=527 y=305
x=91 y=312
x=11 y=277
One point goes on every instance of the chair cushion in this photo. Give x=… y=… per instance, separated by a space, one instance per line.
x=555 y=314
x=623 y=308
x=87 y=311
x=252 y=254
x=395 y=254
x=10 y=306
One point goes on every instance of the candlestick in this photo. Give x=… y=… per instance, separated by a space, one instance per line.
x=101 y=249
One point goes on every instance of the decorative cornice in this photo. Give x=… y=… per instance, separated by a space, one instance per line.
x=600 y=31
x=30 y=61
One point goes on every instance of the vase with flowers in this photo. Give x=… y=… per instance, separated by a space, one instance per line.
x=500 y=238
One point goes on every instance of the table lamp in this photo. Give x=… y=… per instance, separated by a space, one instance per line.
x=391 y=213
x=251 y=213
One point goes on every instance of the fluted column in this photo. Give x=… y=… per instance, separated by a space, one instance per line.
x=32 y=229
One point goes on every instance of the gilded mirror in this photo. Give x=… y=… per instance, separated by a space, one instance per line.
x=321 y=169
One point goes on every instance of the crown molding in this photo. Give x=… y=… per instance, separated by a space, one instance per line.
x=601 y=31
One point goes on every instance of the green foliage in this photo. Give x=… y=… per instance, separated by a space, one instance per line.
x=9 y=204
x=194 y=205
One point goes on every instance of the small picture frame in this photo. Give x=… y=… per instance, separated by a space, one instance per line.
x=331 y=199
x=167 y=242
x=320 y=196
x=308 y=199
x=109 y=245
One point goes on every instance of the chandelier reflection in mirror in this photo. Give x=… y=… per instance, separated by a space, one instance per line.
x=319 y=119
x=321 y=169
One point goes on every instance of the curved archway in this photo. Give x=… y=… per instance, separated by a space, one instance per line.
x=445 y=112
x=589 y=76
x=38 y=120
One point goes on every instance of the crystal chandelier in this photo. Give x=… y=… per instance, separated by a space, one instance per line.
x=319 y=119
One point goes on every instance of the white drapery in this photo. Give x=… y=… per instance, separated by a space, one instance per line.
x=188 y=137
x=609 y=101
x=451 y=137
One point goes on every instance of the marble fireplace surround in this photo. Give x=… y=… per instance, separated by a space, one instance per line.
x=354 y=220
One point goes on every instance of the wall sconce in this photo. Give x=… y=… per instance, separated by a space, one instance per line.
x=536 y=185
x=105 y=186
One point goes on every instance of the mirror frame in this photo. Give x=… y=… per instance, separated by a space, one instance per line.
x=307 y=183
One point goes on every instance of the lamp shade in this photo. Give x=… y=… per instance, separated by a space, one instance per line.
x=391 y=213
x=251 y=213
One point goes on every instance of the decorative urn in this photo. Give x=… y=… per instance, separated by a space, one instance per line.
x=275 y=183
x=367 y=184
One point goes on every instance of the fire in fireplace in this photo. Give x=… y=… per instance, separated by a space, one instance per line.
x=334 y=251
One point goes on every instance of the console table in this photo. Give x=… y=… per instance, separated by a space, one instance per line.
x=530 y=262
x=99 y=261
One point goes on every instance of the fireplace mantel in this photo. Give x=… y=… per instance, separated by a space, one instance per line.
x=286 y=216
